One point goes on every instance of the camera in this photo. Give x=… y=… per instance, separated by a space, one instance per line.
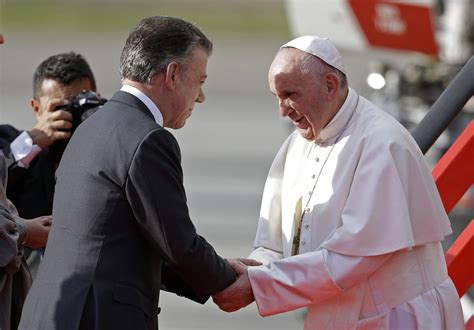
x=82 y=106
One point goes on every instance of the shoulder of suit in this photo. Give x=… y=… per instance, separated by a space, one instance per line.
x=159 y=142
x=162 y=134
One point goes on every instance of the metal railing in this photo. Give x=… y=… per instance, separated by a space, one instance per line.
x=446 y=107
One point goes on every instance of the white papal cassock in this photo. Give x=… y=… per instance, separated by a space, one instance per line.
x=372 y=221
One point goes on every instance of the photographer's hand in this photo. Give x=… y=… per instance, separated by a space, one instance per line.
x=51 y=124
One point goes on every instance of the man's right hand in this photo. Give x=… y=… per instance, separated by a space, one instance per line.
x=37 y=231
x=239 y=294
x=51 y=124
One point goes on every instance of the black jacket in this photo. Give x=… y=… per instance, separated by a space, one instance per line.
x=30 y=189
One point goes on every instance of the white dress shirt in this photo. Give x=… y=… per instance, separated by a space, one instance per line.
x=146 y=100
x=23 y=149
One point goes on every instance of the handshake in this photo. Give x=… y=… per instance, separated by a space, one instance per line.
x=239 y=294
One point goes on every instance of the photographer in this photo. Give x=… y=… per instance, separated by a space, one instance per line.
x=33 y=156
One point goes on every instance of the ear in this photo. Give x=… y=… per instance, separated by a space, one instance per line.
x=35 y=106
x=332 y=85
x=172 y=72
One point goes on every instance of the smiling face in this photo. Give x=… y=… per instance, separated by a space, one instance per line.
x=303 y=97
x=188 y=89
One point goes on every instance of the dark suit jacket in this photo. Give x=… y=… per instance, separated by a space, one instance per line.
x=119 y=212
x=30 y=189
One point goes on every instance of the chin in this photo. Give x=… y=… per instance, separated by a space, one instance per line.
x=179 y=125
x=306 y=134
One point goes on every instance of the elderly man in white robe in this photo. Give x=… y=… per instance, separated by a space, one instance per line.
x=351 y=220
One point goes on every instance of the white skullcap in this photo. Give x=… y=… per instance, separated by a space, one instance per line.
x=319 y=47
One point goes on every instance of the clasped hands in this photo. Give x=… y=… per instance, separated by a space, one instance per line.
x=239 y=294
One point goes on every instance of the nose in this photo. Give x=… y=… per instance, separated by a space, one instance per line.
x=284 y=109
x=201 y=97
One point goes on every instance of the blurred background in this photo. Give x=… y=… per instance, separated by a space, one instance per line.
x=229 y=142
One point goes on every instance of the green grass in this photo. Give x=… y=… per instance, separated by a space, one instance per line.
x=227 y=17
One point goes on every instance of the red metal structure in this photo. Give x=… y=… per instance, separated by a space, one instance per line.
x=454 y=175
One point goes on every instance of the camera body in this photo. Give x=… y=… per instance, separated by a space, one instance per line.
x=82 y=106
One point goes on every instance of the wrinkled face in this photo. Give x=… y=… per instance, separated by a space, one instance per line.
x=189 y=89
x=52 y=90
x=301 y=97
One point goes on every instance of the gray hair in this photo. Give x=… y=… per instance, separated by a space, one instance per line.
x=157 y=41
x=310 y=64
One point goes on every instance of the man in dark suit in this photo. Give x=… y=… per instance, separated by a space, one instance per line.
x=33 y=156
x=120 y=208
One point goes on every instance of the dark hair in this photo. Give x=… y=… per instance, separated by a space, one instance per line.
x=63 y=68
x=157 y=41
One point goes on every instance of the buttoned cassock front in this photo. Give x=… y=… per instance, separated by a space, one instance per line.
x=368 y=204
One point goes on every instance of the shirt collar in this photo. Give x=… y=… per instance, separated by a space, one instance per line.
x=145 y=99
x=340 y=120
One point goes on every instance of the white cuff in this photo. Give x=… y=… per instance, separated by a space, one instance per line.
x=291 y=283
x=23 y=149
x=350 y=270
